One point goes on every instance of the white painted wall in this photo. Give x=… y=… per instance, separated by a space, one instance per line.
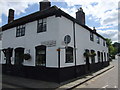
x=82 y=42
x=57 y=29
x=66 y=28
x=0 y=51
x=0 y=46
x=33 y=39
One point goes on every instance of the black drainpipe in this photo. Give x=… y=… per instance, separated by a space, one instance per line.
x=74 y=48
x=58 y=65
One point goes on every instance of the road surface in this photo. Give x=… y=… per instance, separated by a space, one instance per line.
x=108 y=79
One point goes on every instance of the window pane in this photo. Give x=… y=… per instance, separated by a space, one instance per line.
x=91 y=36
x=98 y=40
x=44 y=27
x=41 y=55
x=93 y=56
x=105 y=56
x=98 y=53
x=41 y=25
x=69 y=55
x=40 y=21
x=20 y=30
x=102 y=56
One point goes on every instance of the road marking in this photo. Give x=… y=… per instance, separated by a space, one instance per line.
x=105 y=86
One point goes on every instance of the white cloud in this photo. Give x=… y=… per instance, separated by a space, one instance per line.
x=111 y=34
x=104 y=12
x=104 y=27
x=71 y=11
x=18 y=5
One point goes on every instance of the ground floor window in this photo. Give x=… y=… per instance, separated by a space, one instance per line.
x=41 y=55
x=105 y=56
x=102 y=56
x=19 y=52
x=69 y=55
x=0 y=54
x=92 y=56
x=98 y=55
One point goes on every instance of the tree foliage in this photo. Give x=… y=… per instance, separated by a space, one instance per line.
x=111 y=48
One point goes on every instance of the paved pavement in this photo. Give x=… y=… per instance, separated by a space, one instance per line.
x=19 y=82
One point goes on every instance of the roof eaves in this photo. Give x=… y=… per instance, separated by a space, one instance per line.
x=76 y=21
x=32 y=17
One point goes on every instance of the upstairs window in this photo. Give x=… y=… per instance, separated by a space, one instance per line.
x=103 y=43
x=91 y=36
x=41 y=25
x=98 y=39
x=20 y=31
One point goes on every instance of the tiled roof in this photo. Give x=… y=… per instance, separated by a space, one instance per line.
x=42 y=14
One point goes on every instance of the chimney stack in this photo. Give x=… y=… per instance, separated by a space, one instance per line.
x=94 y=30
x=11 y=15
x=44 y=4
x=80 y=16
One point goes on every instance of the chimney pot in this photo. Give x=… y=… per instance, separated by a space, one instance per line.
x=80 y=16
x=44 y=4
x=11 y=15
x=94 y=29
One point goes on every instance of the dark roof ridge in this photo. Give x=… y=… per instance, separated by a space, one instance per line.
x=76 y=21
x=54 y=10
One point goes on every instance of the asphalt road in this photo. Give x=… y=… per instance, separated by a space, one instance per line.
x=108 y=79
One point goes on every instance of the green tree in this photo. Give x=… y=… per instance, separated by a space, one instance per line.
x=108 y=42
x=111 y=48
x=117 y=46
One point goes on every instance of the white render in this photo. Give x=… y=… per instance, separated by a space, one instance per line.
x=0 y=46
x=57 y=29
x=0 y=50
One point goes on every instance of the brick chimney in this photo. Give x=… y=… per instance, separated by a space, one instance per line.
x=94 y=30
x=11 y=15
x=80 y=16
x=44 y=4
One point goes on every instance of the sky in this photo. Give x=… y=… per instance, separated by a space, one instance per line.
x=101 y=14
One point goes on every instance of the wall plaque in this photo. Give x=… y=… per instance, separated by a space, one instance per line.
x=49 y=43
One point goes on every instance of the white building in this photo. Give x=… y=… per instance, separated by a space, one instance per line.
x=44 y=36
x=0 y=45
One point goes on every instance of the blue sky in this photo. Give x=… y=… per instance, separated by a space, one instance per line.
x=99 y=13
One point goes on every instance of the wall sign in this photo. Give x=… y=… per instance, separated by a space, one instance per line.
x=49 y=43
x=67 y=39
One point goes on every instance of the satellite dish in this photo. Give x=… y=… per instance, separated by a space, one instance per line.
x=67 y=39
